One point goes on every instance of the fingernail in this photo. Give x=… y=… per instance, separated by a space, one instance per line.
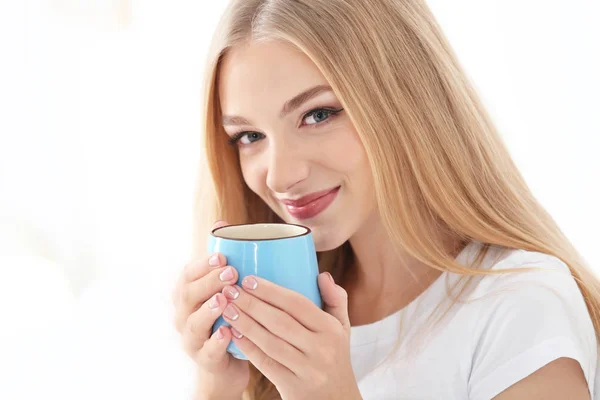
x=231 y=292
x=249 y=283
x=213 y=261
x=214 y=302
x=231 y=313
x=330 y=277
x=236 y=333
x=218 y=333
x=226 y=275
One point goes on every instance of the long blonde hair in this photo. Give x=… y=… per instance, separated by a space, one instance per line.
x=437 y=159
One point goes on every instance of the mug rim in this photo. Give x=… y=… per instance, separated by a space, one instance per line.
x=308 y=231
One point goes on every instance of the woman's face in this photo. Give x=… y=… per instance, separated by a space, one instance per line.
x=298 y=149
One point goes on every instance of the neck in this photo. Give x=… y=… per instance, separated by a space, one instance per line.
x=383 y=280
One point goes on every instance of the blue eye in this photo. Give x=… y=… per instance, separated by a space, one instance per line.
x=246 y=138
x=318 y=115
x=251 y=137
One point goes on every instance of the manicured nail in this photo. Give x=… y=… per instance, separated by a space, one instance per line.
x=231 y=313
x=236 y=333
x=231 y=292
x=249 y=283
x=218 y=333
x=226 y=275
x=213 y=302
x=213 y=261
x=330 y=277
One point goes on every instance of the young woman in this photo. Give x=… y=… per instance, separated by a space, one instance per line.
x=442 y=276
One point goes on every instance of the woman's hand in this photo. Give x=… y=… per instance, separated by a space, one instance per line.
x=302 y=349
x=198 y=303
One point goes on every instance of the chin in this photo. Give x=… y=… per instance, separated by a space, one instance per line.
x=328 y=247
x=325 y=241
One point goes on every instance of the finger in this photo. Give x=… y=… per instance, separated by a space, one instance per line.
x=219 y=224
x=335 y=299
x=272 y=369
x=213 y=356
x=295 y=304
x=195 y=293
x=176 y=293
x=196 y=270
x=198 y=325
x=276 y=321
x=274 y=347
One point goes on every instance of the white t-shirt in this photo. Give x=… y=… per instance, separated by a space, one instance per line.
x=505 y=328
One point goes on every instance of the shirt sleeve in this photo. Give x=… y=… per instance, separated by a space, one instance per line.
x=527 y=320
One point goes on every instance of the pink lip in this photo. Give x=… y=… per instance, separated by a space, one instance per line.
x=311 y=205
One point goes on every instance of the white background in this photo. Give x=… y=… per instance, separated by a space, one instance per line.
x=99 y=140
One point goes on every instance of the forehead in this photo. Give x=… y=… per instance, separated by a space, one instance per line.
x=267 y=73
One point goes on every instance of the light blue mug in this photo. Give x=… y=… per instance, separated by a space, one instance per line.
x=281 y=253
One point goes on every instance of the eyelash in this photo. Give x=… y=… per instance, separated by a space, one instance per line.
x=331 y=113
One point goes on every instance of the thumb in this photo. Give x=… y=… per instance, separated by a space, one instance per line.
x=219 y=224
x=335 y=299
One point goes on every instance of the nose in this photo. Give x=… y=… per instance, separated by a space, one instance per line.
x=287 y=167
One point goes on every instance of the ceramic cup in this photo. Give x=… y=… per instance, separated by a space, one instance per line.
x=281 y=253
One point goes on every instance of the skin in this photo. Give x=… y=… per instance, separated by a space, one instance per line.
x=296 y=156
x=302 y=349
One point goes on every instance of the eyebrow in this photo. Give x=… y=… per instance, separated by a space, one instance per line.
x=288 y=107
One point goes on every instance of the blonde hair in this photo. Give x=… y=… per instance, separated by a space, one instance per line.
x=437 y=159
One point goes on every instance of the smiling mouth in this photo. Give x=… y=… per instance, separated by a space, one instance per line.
x=311 y=205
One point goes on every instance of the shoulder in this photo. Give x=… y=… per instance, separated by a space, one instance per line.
x=521 y=279
x=525 y=320
x=521 y=273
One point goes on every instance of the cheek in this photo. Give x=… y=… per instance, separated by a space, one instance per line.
x=346 y=154
x=254 y=175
